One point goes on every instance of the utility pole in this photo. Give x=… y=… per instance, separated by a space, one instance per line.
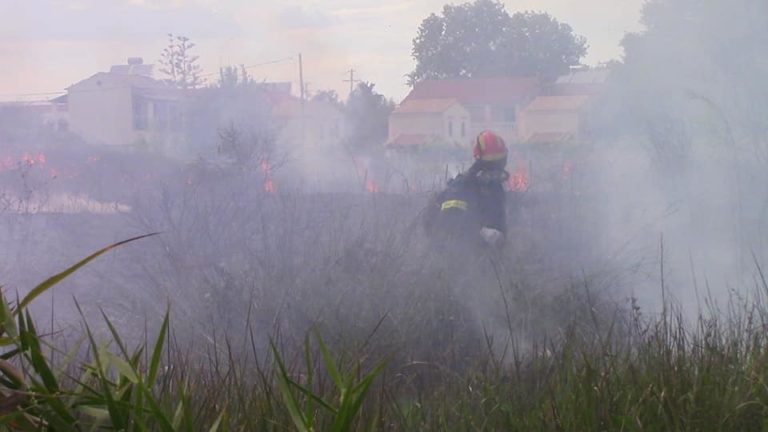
x=301 y=80
x=301 y=85
x=351 y=81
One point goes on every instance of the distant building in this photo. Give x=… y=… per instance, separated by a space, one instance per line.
x=423 y=121
x=52 y=114
x=520 y=109
x=488 y=103
x=313 y=124
x=126 y=107
x=553 y=119
x=559 y=113
x=56 y=116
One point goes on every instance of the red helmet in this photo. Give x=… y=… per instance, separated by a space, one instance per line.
x=489 y=147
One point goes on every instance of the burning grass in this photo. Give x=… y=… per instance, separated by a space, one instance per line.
x=603 y=368
x=329 y=312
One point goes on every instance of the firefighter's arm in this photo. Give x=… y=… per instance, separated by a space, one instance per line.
x=494 y=228
x=495 y=212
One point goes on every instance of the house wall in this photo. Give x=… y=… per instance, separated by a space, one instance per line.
x=323 y=127
x=164 y=126
x=499 y=119
x=549 y=122
x=111 y=116
x=102 y=115
x=57 y=117
x=457 y=125
x=454 y=125
x=425 y=124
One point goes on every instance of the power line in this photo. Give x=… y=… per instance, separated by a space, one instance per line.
x=282 y=60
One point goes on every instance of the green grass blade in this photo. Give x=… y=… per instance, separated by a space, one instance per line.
x=116 y=414
x=154 y=408
x=7 y=321
x=330 y=364
x=178 y=415
x=299 y=421
x=312 y=396
x=53 y=280
x=38 y=360
x=350 y=405
x=217 y=423
x=115 y=335
x=124 y=368
x=12 y=373
x=157 y=353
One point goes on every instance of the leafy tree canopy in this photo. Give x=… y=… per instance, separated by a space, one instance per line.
x=367 y=114
x=696 y=73
x=481 y=39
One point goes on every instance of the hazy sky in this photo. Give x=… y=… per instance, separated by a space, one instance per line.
x=46 y=45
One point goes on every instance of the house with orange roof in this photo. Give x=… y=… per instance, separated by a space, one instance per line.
x=435 y=110
x=559 y=113
x=418 y=122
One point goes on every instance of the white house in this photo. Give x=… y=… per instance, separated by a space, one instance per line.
x=485 y=103
x=126 y=107
x=424 y=121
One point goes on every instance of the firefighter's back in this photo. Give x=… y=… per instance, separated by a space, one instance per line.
x=453 y=220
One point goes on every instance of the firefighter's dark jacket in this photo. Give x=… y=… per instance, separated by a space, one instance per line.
x=471 y=201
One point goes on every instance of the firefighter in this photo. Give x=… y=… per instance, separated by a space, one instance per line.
x=472 y=208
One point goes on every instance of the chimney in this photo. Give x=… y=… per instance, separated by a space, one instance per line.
x=135 y=61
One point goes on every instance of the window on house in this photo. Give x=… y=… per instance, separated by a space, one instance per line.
x=450 y=127
x=140 y=113
x=463 y=128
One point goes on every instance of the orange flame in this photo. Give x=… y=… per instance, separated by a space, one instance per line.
x=32 y=159
x=371 y=186
x=28 y=159
x=519 y=181
x=269 y=184
x=567 y=171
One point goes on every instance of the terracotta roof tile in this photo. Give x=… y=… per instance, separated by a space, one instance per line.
x=557 y=103
x=491 y=91
x=411 y=140
x=411 y=106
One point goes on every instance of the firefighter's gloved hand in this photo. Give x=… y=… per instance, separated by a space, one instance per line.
x=492 y=237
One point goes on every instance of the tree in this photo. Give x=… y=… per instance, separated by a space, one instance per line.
x=681 y=81
x=329 y=97
x=691 y=93
x=481 y=39
x=367 y=113
x=231 y=77
x=236 y=114
x=179 y=65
